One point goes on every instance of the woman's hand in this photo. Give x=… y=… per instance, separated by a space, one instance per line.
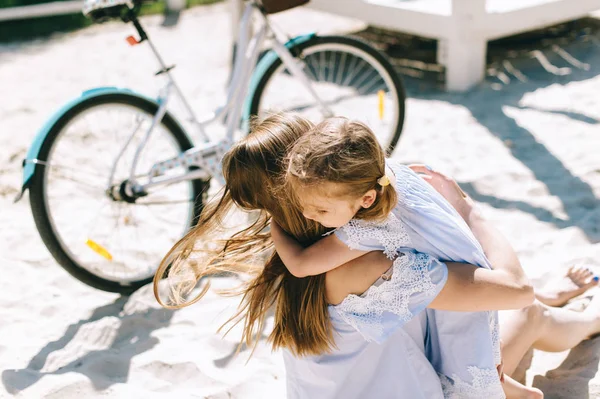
x=448 y=188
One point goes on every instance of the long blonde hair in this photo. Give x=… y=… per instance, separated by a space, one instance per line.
x=253 y=170
x=339 y=150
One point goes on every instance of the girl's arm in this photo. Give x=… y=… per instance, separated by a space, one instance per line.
x=505 y=286
x=468 y=288
x=321 y=257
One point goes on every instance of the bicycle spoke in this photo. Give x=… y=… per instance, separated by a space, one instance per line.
x=165 y=202
x=76 y=169
x=365 y=76
x=83 y=183
x=372 y=86
x=114 y=240
x=321 y=61
x=104 y=159
x=158 y=216
x=311 y=69
x=347 y=80
x=357 y=72
x=351 y=72
x=329 y=69
x=341 y=69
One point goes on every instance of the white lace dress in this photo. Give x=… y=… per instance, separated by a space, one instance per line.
x=463 y=347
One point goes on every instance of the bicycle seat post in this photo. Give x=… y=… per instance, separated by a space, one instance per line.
x=131 y=16
x=165 y=70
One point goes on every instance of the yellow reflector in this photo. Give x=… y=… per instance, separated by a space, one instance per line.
x=99 y=249
x=381 y=95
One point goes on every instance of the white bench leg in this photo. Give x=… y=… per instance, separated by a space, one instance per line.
x=464 y=60
x=463 y=51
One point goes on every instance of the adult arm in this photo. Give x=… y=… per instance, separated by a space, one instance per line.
x=355 y=277
x=470 y=288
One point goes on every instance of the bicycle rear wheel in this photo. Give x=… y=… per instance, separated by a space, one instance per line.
x=351 y=77
x=112 y=244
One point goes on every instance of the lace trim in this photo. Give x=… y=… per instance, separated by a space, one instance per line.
x=410 y=275
x=486 y=384
x=391 y=234
x=495 y=332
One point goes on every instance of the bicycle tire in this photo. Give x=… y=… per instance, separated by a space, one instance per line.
x=38 y=189
x=298 y=49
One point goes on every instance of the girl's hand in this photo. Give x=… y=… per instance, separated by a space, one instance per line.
x=501 y=371
x=501 y=365
x=448 y=188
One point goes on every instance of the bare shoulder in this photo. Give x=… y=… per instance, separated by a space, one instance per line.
x=355 y=277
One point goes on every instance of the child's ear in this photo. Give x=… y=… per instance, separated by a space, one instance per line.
x=368 y=198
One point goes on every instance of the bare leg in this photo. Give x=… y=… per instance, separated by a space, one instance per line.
x=516 y=390
x=560 y=290
x=545 y=328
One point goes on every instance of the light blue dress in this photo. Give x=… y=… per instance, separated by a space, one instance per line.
x=462 y=347
x=396 y=368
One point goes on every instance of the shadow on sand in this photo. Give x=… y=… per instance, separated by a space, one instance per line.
x=503 y=91
x=121 y=330
x=571 y=379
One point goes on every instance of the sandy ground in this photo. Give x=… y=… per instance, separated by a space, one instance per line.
x=528 y=151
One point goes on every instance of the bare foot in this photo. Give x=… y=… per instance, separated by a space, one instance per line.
x=593 y=311
x=559 y=291
x=516 y=390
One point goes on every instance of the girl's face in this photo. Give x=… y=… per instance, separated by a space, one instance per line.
x=322 y=205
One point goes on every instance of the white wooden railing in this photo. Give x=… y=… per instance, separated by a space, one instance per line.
x=462 y=27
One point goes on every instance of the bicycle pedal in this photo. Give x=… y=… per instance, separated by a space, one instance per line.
x=164 y=70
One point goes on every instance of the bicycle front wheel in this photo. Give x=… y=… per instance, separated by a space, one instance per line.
x=113 y=243
x=350 y=78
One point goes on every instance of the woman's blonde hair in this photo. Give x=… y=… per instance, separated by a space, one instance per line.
x=339 y=150
x=253 y=169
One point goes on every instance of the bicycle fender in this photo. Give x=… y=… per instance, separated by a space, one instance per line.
x=30 y=163
x=265 y=62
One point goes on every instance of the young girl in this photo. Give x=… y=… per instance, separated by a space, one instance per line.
x=340 y=178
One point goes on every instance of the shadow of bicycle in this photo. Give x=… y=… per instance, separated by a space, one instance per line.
x=107 y=340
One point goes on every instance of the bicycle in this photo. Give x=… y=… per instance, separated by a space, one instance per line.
x=155 y=180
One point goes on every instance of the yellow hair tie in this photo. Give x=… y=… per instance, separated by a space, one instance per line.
x=383 y=181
